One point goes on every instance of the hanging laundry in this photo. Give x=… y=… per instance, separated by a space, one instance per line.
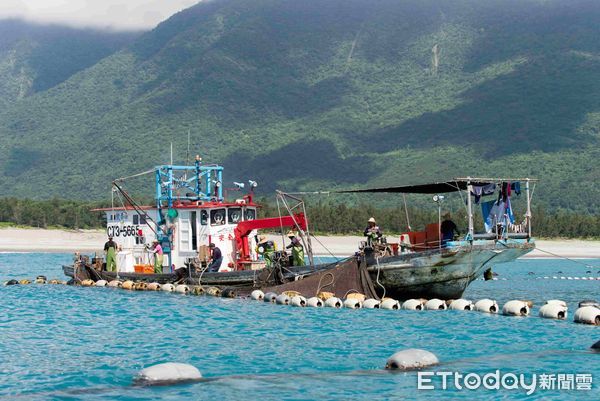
x=493 y=213
x=509 y=212
x=482 y=190
x=516 y=186
x=504 y=192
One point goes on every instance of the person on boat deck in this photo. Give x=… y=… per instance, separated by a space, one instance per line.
x=297 y=249
x=372 y=232
x=267 y=249
x=216 y=258
x=448 y=228
x=110 y=247
x=158 y=256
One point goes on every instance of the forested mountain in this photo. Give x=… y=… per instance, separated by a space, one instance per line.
x=34 y=58
x=314 y=94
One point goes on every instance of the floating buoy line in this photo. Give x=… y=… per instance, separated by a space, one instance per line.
x=588 y=311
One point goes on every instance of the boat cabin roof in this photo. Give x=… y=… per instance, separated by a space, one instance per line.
x=185 y=205
x=455 y=185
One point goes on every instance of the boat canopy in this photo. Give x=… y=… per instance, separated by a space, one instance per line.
x=455 y=185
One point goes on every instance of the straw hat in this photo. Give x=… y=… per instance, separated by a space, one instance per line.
x=262 y=239
x=291 y=234
x=155 y=241
x=372 y=220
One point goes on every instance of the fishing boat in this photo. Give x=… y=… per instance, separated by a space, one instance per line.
x=191 y=212
x=429 y=266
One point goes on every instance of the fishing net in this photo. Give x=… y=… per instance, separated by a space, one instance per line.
x=345 y=277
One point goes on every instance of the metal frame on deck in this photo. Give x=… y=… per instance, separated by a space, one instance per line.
x=197 y=178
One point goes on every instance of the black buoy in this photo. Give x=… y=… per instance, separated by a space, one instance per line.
x=12 y=282
x=596 y=347
x=488 y=274
x=588 y=302
x=229 y=293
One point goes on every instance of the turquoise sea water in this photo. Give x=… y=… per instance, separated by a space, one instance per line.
x=61 y=342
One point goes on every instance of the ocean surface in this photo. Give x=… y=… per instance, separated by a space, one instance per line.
x=68 y=343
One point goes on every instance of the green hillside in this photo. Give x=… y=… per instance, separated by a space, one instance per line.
x=317 y=94
x=34 y=58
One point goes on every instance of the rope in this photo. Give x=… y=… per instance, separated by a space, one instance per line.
x=564 y=257
x=377 y=277
x=324 y=247
x=319 y=287
x=135 y=175
x=406 y=211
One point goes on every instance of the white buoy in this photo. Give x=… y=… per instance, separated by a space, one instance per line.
x=389 y=303
x=333 y=302
x=115 y=283
x=412 y=304
x=257 y=295
x=168 y=373
x=314 y=302
x=153 y=287
x=553 y=310
x=557 y=302
x=101 y=283
x=298 y=301
x=461 y=304
x=371 y=303
x=270 y=297
x=412 y=358
x=351 y=303
x=515 y=308
x=486 y=305
x=435 y=304
x=588 y=315
x=282 y=299
x=167 y=287
x=182 y=289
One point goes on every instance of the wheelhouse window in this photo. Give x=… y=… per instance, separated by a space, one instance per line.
x=250 y=214
x=194 y=231
x=203 y=217
x=234 y=215
x=217 y=217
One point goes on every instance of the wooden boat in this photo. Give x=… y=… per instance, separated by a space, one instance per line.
x=429 y=267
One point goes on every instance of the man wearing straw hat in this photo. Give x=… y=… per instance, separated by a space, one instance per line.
x=297 y=249
x=372 y=232
x=267 y=249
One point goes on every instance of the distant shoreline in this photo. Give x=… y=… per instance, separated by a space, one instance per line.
x=32 y=240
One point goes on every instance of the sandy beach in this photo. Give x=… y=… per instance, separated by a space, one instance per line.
x=40 y=240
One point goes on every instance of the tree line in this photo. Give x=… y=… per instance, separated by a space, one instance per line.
x=324 y=217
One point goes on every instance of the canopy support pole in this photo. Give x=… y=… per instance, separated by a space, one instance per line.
x=528 y=208
x=470 y=208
